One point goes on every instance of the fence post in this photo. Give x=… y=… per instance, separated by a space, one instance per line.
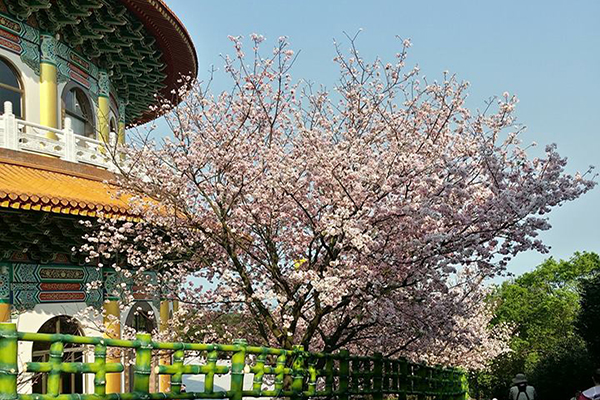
x=404 y=381
x=56 y=359
x=143 y=364
x=177 y=378
x=329 y=378
x=396 y=381
x=355 y=376
x=385 y=372
x=100 y=377
x=378 y=376
x=11 y=134
x=209 y=378
x=344 y=374
x=280 y=373
x=464 y=385
x=298 y=372
x=312 y=377
x=8 y=361
x=366 y=377
x=259 y=374
x=238 y=362
x=421 y=377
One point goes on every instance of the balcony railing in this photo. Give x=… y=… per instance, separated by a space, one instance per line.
x=21 y=135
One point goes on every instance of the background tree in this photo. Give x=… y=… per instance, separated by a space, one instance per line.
x=543 y=309
x=588 y=320
x=363 y=217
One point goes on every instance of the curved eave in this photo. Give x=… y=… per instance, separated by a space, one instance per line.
x=31 y=182
x=142 y=45
x=173 y=40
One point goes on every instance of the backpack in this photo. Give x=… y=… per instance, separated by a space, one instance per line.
x=522 y=389
x=594 y=395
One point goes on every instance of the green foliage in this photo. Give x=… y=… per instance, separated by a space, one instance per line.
x=564 y=370
x=543 y=308
x=588 y=321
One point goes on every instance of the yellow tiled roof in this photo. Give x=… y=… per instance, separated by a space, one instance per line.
x=29 y=188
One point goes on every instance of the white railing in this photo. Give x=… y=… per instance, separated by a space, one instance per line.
x=17 y=134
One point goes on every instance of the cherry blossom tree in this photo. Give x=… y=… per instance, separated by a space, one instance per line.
x=364 y=217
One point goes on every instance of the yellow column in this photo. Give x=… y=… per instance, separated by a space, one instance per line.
x=112 y=327
x=103 y=107
x=4 y=312
x=121 y=139
x=164 y=384
x=48 y=84
x=121 y=133
x=122 y=110
x=103 y=118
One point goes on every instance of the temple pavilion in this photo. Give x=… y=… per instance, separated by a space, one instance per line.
x=73 y=75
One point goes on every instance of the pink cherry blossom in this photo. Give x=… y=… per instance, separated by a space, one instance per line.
x=365 y=217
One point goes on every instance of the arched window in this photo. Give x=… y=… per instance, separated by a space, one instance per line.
x=10 y=88
x=69 y=383
x=141 y=317
x=78 y=109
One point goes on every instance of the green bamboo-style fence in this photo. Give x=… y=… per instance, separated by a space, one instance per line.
x=296 y=374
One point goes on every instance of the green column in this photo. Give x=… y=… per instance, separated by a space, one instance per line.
x=8 y=361
x=143 y=364
x=238 y=362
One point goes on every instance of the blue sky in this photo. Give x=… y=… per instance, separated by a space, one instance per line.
x=545 y=52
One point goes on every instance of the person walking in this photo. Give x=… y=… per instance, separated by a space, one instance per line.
x=520 y=390
x=592 y=393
